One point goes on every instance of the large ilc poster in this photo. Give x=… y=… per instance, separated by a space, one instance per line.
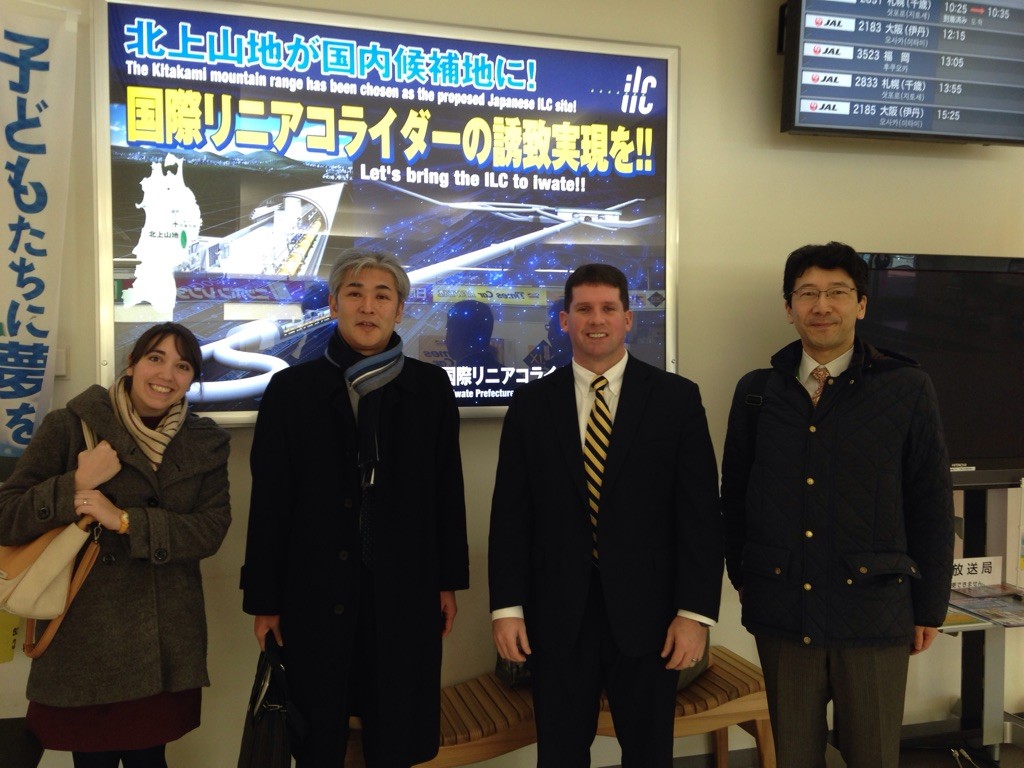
x=246 y=151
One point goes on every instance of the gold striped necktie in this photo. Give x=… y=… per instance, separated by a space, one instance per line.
x=595 y=451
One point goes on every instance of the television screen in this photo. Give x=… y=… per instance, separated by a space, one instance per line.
x=962 y=319
x=939 y=70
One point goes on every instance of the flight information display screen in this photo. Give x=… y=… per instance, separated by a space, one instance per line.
x=927 y=69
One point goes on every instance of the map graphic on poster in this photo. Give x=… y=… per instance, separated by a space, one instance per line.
x=246 y=153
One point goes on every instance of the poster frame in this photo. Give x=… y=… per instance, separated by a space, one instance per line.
x=109 y=367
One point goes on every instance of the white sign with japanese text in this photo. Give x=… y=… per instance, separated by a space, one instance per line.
x=977 y=571
x=37 y=74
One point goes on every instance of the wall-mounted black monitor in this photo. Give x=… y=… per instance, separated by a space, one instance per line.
x=962 y=319
x=939 y=70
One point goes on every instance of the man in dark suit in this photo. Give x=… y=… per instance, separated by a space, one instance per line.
x=357 y=527
x=605 y=557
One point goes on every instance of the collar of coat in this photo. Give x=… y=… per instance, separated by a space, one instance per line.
x=865 y=357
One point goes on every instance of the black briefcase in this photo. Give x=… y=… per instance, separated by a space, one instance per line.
x=273 y=726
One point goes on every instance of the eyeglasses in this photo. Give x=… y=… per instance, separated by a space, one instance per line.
x=838 y=294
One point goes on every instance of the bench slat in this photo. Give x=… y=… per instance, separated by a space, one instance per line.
x=458 y=731
x=511 y=702
x=498 y=713
x=477 y=709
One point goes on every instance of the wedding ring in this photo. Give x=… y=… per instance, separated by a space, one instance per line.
x=694 y=661
x=84 y=502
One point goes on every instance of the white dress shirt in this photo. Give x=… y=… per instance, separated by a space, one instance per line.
x=808 y=364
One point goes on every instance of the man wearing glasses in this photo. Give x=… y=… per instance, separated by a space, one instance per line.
x=838 y=508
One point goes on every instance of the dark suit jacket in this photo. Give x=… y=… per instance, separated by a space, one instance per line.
x=660 y=534
x=302 y=558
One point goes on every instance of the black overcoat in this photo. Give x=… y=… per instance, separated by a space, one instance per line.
x=303 y=554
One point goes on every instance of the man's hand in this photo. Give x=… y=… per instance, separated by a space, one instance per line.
x=923 y=637
x=448 y=611
x=510 y=639
x=264 y=624
x=684 y=643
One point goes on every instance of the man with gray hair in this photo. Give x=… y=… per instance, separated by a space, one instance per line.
x=357 y=526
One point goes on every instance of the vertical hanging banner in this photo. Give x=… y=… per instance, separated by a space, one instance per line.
x=37 y=76
x=249 y=146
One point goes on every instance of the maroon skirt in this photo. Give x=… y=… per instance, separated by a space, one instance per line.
x=123 y=725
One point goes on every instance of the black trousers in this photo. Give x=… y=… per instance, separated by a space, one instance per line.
x=567 y=697
x=866 y=686
x=153 y=757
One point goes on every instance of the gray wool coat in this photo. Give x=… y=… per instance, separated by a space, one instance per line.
x=138 y=626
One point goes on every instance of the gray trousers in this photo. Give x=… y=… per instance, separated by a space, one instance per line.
x=866 y=686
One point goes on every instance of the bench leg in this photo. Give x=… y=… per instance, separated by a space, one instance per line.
x=765 y=743
x=720 y=746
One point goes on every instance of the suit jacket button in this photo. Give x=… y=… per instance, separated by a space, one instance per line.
x=153 y=501
x=44 y=513
x=348 y=503
x=343 y=555
x=339 y=609
x=807 y=640
x=108 y=559
x=160 y=555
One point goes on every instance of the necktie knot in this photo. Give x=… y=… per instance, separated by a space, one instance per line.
x=820 y=375
x=599 y=383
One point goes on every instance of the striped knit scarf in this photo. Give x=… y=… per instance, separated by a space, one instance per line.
x=366 y=376
x=153 y=442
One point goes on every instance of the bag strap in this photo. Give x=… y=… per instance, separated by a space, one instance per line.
x=33 y=648
x=755 y=398
x=89 y=435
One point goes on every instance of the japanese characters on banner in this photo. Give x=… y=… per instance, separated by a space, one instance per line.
x=247 y=152
x=37 y=74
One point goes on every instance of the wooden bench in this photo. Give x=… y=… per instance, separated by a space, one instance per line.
x=481 y=718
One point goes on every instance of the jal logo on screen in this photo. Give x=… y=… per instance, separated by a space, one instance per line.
x=817 y=106
x=831 y=22
x=827 y=78
x=828 y=51
x=637 y=92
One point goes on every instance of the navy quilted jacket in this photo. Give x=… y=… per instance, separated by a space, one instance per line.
x=839 y=519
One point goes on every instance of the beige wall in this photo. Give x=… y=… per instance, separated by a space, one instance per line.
x=748 y=195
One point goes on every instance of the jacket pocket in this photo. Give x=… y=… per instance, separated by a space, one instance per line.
x=870 y=567
x=764 y=560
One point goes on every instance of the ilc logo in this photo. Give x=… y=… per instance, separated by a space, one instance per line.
x=634 y=93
